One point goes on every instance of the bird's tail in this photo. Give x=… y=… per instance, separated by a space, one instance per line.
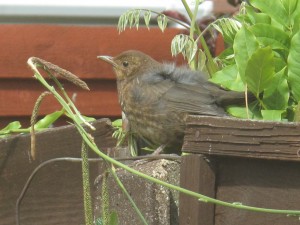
x=234 y=98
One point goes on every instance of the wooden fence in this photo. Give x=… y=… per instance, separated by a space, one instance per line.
x=73 y=48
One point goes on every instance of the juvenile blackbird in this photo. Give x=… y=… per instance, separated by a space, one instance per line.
x=157 y=98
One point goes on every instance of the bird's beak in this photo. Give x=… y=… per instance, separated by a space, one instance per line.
x=108 y=59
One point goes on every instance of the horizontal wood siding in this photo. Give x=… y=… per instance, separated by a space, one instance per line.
x=73 y=48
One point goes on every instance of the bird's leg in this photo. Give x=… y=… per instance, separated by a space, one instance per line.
x=159 y=149
x=153 y=156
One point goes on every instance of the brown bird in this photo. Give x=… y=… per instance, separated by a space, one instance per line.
x=157 y=98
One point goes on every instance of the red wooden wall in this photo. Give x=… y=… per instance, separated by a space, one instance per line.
x=73 y=48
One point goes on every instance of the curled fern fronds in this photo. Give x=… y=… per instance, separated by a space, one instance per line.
x=162 y=21
x=131 y=18
x=183 y=44
x=228 y=27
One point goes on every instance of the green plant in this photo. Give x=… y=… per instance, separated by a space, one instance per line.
x=88 y=142
x=262 y=55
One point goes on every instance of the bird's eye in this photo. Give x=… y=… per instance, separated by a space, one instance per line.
x=125 y=63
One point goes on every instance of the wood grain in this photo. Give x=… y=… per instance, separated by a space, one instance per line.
x=245 y=138
x=73 y=48
x=260 y=183
x=198 y=175
x=55 y=194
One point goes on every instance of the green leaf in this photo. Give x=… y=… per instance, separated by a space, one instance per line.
x=290 y=7
x=276 y=96
x=162 y=22
x=48 y=120
x=244 y=45
x=279 y=62
x=183 y=44
x=260 y=70
x=239 y=112
x=293 y=62
x=274 y=115
x=274 y=9
x=201 y=60
x=229 y=78
x=88 y=118
x=10 y=127
x=117 y=123
x=268 y=35
x=228 y=27
x=226 y=57
x=147 y=17
x=256 y=17
x=113 y=218
x=130 y=18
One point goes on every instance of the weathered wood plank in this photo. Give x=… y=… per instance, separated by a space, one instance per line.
x=259 y=183
x=246 y=138
x=196 y=174
x=55 y=194
x=75 y=47
x=18 y=98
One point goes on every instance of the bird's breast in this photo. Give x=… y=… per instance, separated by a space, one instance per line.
x=148 y=115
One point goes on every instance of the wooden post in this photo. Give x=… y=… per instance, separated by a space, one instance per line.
x=197 y=175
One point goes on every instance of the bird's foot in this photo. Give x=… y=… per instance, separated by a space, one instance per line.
x=153 y=156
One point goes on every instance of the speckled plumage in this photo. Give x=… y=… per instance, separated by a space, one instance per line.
x=157 y=98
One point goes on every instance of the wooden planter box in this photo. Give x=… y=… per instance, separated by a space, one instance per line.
x=55 y=193
x=252 y=162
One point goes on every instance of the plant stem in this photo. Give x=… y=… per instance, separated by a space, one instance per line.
x=169 y=18
x=87 y=199
x=211 y=65
x=193 y=63
x=180 y=189
x=89 y=141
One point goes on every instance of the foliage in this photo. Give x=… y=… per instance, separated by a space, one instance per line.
x=263 y=55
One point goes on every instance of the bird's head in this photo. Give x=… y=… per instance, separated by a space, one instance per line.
x=129 y=64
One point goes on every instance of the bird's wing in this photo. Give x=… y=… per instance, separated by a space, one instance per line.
x=193 y=99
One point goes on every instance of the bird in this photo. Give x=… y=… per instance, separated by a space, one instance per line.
x=157 y=98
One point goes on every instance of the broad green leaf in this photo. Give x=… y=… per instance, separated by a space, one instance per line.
x=290 y=7
x=296 y=19
x=274 y=9
x=260 y=70
x=268 y=35
x=10 y=127
x=244 y=45
x=229 y=78
x=162 y=22
x=226 y=57
x=293 y=62
x=276 y=96
x=256 y=17
x=239 y=112
x=279 y=62
x=274 y=115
